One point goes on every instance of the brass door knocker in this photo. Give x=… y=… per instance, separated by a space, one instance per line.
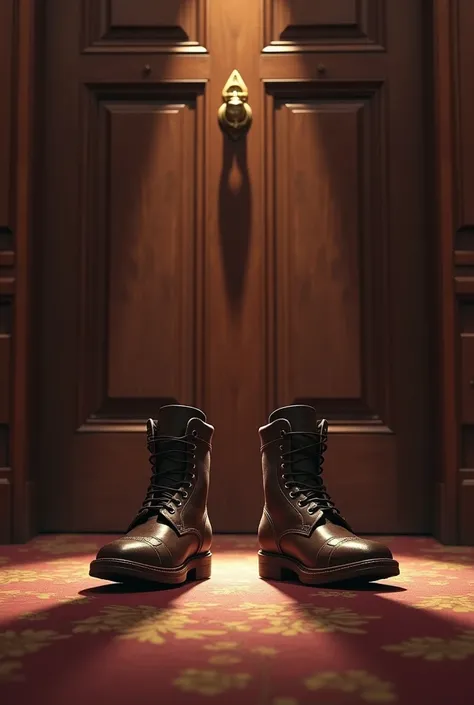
x=235 y=114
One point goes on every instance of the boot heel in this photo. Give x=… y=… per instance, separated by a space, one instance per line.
x=269 y=567
x=202 y=568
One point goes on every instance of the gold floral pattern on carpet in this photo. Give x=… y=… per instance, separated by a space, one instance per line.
x=293 y=619
x=35 y=616
x=456 y=603
x=145 y=623
x=368 y=687
x=433 y=648
x=15 y=644
x=265 y=651
x=224 y=660
x=231 y=589
x=432 y=572
x=62 y=572
x=209 y=682
x=234 y=626
x=222 y=646
x=5 y=595
x=232 y=646
x=334 y=594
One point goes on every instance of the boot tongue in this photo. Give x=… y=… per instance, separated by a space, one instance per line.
x=301 y=417
x=303 y=420
x=172 y=421
x=172 y=456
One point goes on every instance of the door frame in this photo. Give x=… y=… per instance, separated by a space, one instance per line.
x=27 y=110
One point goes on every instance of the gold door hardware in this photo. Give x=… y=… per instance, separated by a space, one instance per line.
x=235 y=114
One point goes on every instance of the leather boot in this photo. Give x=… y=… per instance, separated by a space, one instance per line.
x=301 y=530
x=171 y=534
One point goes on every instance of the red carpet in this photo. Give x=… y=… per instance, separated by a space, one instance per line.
x=67 y=639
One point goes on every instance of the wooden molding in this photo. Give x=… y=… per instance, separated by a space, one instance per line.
x=26 y=42
x=447 y=432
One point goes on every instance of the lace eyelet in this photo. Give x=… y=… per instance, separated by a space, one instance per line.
x=194 y=468
x=178 y=503
x=194 y=447
x=193 y=476
x=170 y=511
x=283 y=466
x=184 y=495
x=292 y=495
x=299 y=504
x=281 y=448
x=194 y=433
x=282 y=432
x=287 y=487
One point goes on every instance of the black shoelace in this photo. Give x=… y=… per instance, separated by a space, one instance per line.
x=171 y=478
x=304 y=482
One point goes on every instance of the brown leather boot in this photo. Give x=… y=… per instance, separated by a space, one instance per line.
x=301 y=530
x=171 y=534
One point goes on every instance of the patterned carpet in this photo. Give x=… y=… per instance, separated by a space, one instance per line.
x=67 y=639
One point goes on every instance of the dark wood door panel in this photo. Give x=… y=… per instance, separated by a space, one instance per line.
x=362 y=471
x=331 y=244
x=467 y=378
x=152 y=244
x=293 y=24
x=173 y=26
x=138 y=281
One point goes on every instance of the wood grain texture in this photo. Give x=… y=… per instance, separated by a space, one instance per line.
x=140 y=304
x=463 y=18
x=7 y=239
x=26 y=121
x=4 y=454
x=173 y=26
x=234 y=380
x=463 y=61
x=5 y=507
x=318 y=245
x=444 y=65
x=293 y=25
x=5 y=378
x=6 y=91
x=466 y=507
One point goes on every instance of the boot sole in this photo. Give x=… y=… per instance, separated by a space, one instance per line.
x=119 y=570
x=274 y=567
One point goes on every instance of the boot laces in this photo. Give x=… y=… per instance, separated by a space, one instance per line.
x=174 y=477
x=303 y=482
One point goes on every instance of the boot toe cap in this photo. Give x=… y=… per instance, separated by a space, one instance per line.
x=136 y=550
x=356 y=549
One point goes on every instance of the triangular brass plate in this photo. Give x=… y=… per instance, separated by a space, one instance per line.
x=235 y=82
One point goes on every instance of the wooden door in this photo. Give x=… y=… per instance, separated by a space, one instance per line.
x=180 y=266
